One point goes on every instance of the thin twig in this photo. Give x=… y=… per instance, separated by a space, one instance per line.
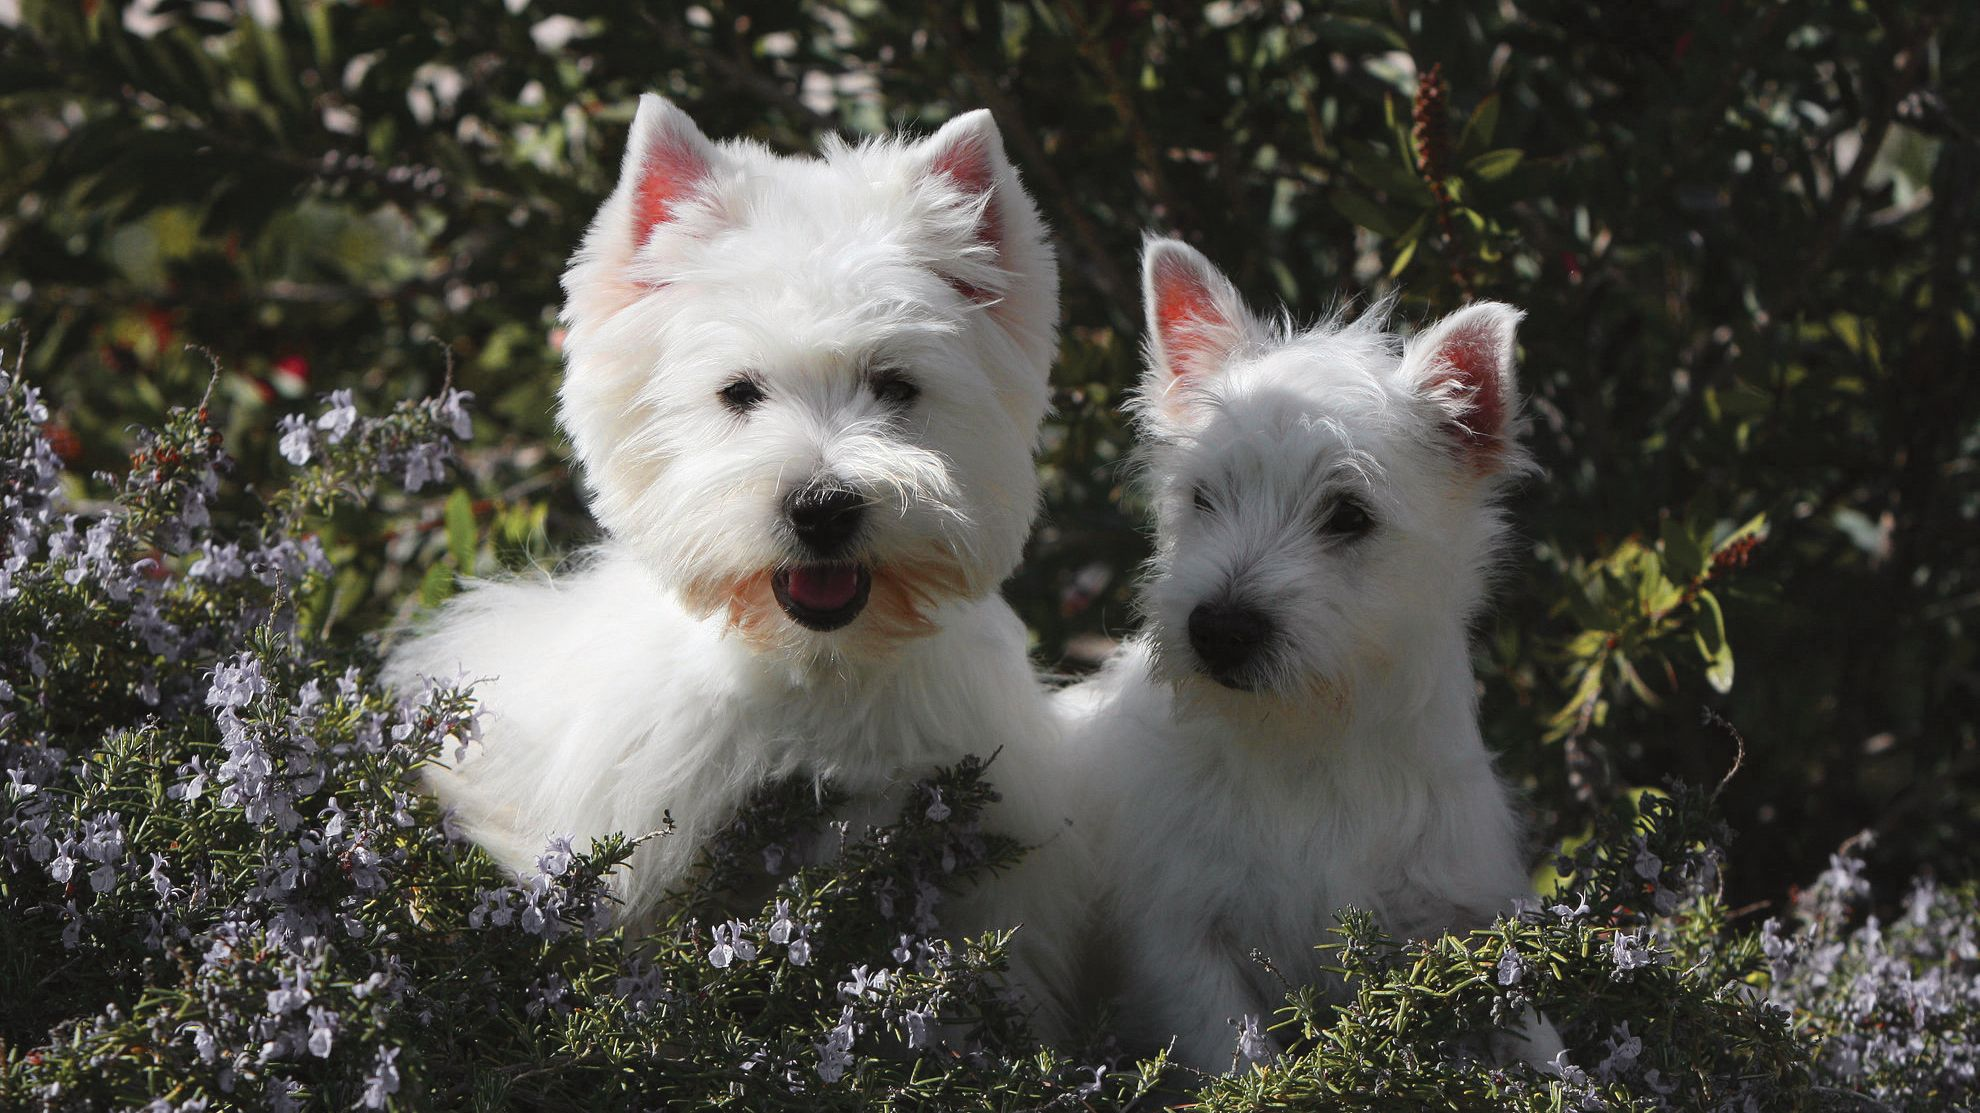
x=1713 y=718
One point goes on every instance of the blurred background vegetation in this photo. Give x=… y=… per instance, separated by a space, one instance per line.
x=1745 y=236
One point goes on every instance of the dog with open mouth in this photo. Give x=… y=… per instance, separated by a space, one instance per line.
x=804 y=393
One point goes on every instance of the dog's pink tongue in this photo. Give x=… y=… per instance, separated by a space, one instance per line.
x=824 y=587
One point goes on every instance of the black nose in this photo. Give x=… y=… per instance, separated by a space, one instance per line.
x=1226 y=637
x=825 y=518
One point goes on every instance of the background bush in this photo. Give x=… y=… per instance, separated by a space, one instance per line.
x=1745 y=236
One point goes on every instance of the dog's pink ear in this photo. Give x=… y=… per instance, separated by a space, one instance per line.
x=1196 y=319
x=1464 y=363
x=667 y=161
x=967 y=154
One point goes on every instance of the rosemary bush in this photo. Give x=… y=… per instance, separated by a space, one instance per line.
x=220 y=888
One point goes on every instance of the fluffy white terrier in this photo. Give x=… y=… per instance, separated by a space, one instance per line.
x=805 y=394
x=1296 y=731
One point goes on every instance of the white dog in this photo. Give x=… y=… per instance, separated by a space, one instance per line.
x=1296 y=732
x=805 y=394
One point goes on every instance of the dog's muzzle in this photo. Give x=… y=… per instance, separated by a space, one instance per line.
x=827 y=591
x=1228 y=638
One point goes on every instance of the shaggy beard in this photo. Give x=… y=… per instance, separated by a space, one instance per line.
x=1279 y=690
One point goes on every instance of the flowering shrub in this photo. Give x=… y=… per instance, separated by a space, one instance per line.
x=1893 y=1005
x=219 y=887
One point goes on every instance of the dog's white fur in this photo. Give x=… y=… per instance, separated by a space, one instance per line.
x=1351 y=772
x=661 y=676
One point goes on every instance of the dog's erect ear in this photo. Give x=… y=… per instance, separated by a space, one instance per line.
x=1464 y=364
x=967 y=154
x=1196 y=320
x=667 y=161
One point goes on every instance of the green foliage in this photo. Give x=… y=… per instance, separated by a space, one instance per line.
x=1742 y=240
x=1639 y=603
x=1745 y=239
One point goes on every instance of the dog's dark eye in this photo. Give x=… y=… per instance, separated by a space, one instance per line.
x=742 y=396
x=1199 y=497
x=1348 y=519
x=894 y=389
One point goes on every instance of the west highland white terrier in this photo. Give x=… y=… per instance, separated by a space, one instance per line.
x=1296 y=730
x=804 y=394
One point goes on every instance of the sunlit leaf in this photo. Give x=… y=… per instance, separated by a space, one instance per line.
x=1493 y=165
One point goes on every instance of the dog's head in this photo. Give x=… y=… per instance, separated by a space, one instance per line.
x=1326 y=496
x=806 y=391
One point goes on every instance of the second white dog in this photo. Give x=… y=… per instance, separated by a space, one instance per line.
x=1296 y=731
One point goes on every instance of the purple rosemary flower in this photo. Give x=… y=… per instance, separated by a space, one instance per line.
x=340 y=419
x=297 y=442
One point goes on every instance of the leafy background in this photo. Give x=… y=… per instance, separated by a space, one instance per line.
x=1745 y=237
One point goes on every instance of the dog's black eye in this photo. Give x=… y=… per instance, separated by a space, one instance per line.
x=1199 y=497
x=743 y=395
x=893 y=388
x=1347 y=520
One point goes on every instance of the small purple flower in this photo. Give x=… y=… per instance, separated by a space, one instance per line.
x=835 y=1054
x=1632 y=951
x=1624 y=1049
x=1253 y=1046
x=204 y=1043
x=1511 y=967
x=297 y=441
x=549 y=995
x=533 y=920
x=731 y=945
x=383 y=1081
x=291 y=994
x=322 y=1029
x=864 y=983
x=218 y=563
x=72 y=930
x=556 y=858
x=493 y=907
x=342 y=416
x=159 y=882
x=918 y=1023
x=782 y=927
x=1576 y=912
x=451 y=407
x=1567 y=1072
x=236 y=685
x=423 y=465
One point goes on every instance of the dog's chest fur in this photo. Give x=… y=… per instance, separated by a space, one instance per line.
x=1225 y=838
x=611 y=709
